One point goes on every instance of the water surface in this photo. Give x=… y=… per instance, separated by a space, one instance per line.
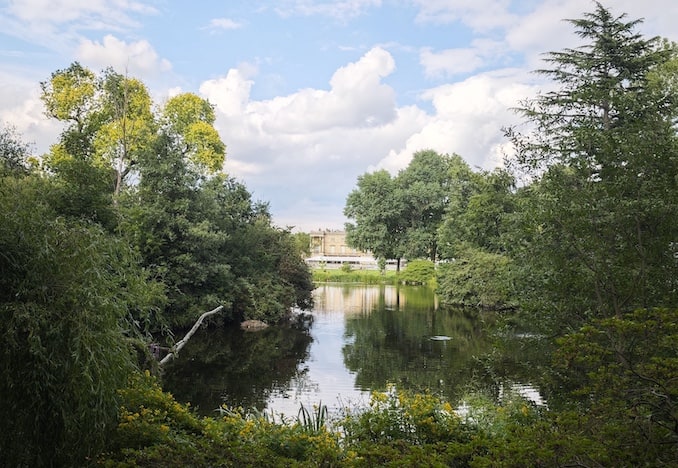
x=357 y=339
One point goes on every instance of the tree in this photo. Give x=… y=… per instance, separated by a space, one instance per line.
x=376 y=205
x=110 y=123
x=14 y=152
x=165 y=217
x=129 y=125
x=424 y=185
x=302 y=241
x=596 y=227
x=399 y=217
x=70 y=96
x=190 y=119
x=476 y=215
x=70 y=295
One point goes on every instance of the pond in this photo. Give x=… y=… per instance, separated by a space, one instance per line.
x=357 y=339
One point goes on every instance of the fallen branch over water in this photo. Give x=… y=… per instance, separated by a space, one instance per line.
x=181 y=343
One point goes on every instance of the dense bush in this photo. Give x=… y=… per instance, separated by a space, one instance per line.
x=418 y=272
x=68 y=294
x=476 y=278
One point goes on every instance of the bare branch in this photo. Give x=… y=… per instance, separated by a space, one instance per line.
x=181 y=343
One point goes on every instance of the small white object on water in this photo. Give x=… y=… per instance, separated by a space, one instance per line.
x=440 y=338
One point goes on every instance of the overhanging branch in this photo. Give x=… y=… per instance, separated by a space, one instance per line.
x=181 y=343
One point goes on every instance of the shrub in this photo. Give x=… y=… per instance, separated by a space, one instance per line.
x=67 y=289
x=476 y=278
x=418 y=272
x=403 y=416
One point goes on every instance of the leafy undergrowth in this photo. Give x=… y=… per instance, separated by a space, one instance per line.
x=397 y=429
x=627 y=418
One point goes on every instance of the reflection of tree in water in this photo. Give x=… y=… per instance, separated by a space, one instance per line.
x=228 y=365
x=394 y=346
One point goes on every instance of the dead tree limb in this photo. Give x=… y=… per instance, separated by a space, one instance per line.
x=181 y=343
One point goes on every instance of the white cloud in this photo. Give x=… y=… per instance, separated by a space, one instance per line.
x=23 y=109
x=480 y=15
x=450 y=62
x=137 y=58
x=313 y=142
x=341 y=10
x=230 y=94
x=224 y=24
x=356 y=98
x=468 y=119
x=88 y=12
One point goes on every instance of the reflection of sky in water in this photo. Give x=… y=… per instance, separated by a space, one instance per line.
x=323 y=377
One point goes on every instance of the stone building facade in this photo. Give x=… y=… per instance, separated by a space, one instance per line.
x=329 y=250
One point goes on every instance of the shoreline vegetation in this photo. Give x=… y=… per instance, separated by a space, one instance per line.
x=354 y=276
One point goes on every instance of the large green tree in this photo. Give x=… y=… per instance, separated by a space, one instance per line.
x=424 y=187
x=110 y=125
x=476 y=270
x=398 y=217
x=376 y=205
x=597 y=234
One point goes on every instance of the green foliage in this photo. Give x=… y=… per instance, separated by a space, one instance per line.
x=69 y=94
x=146 y=415
x=476 y=278
x=424 y=187
x=594 y=236
x=154 y=429
x=14 y=152
x=68 y=295
x=376 y=207
x=303 y=242
x=346 y=267
x=81 y=190
x=477 y=214
x=418 y=272
x=623 y=372
x=211 y=244
x=313 y=422
x=401 y=416
x=128 y=124
x=190 y=120
x=354 y=276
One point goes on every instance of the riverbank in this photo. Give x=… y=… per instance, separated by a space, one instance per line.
x=398 y=427
x=355 y=276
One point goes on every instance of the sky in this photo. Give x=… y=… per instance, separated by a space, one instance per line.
x=310 y=94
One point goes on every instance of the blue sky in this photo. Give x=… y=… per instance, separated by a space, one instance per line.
x=310 y=94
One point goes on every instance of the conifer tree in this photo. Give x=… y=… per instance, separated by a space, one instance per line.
x=597 y=235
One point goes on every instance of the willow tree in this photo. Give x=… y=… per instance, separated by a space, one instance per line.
x=598 y=233
x=70 y=298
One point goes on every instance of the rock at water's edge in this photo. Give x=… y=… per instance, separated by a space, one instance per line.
x=253 y=325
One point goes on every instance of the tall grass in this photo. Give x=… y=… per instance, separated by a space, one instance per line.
x=355 y=276
x=312 y=422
